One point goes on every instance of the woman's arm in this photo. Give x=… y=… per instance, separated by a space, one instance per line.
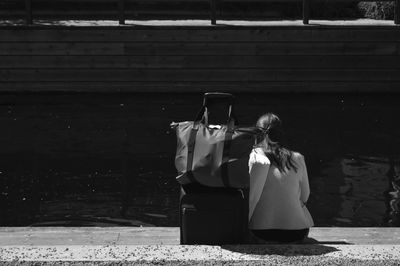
x=304 y=185
x=258 y=169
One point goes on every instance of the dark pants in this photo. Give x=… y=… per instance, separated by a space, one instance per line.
x=279 y=235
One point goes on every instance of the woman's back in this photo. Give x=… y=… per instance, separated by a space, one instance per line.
x=281 y=199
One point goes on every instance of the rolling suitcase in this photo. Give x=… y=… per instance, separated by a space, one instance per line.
x=214 y=213
x=212 y=216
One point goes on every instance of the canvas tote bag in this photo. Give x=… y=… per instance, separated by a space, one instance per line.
x=213 y=155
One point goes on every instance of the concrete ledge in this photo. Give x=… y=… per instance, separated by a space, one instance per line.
x=42 y=236
x=159 y=246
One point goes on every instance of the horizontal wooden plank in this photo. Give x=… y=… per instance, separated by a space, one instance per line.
x=200 y=34
x=95 y=61
x=178 y=75
x=204 y=86
x=201 y=48
x=262 y=48
x=65 y=48
x=195 y=61
x=106 y=13
x=191 y=1
x=213 y=62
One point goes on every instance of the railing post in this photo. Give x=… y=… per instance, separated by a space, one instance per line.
x=28 y=9
x=306 y=11
x=213 y=12
x=121 y=12
x=397 y=12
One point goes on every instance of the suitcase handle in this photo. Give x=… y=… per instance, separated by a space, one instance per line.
x=217 y=95
x=202 y=114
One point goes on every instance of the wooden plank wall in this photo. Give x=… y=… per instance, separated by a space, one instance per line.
x=146 y=9
x=196 y=59
x=174 y=9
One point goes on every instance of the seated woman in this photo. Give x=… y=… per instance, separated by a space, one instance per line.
x=279 y=187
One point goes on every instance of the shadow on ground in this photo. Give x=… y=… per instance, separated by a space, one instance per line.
x=311 y=248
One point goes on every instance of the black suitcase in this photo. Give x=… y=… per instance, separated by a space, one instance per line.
x=213 y=216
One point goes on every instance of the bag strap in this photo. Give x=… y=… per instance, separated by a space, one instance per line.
x=225 y=158
x=190 y=147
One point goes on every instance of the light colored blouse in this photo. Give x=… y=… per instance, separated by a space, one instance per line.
x=277 y=199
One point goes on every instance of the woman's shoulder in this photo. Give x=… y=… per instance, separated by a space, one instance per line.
x=257 y=156
x=298 y=157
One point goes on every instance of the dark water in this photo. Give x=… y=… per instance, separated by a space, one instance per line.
x=106 y=160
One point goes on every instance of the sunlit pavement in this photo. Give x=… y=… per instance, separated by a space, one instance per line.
x=160 y=246
x=202 y=23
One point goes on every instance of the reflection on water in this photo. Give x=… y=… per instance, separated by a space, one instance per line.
x=367 y=195
x=393 y=194
x=106 y=160
x=349 y=191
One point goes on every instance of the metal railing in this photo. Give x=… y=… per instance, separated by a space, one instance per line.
x=213 y=13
